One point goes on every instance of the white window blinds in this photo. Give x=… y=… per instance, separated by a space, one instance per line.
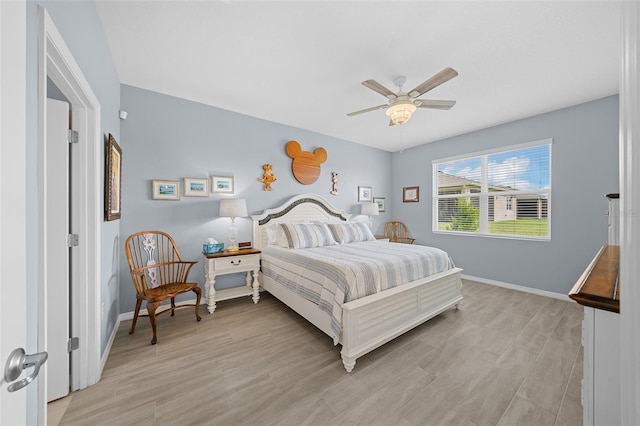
x=500 y=193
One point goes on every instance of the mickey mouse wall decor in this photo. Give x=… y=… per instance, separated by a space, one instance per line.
x=305 y=165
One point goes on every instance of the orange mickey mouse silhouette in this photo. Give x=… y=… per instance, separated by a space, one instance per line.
x=305 y=165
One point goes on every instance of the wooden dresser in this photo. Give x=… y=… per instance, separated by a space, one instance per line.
x=598 y=291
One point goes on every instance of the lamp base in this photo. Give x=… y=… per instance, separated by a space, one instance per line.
x=233 y=249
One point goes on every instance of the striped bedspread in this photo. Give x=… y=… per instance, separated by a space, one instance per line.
x=332 y=275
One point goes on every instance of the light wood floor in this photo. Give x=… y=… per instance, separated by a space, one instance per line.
x=506 y=357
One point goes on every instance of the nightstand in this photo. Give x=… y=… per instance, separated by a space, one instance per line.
x=246 y=260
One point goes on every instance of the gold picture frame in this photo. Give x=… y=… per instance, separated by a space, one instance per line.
x=365 y=193
x=165 y=190
x=380 y=202
x=196 y=187
x=222 y=184
x=113 y=180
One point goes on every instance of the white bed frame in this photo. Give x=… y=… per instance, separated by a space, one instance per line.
x=369 y=322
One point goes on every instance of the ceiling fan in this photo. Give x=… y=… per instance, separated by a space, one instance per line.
x=402 y=104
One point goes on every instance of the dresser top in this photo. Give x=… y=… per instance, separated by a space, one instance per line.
x=599 y=286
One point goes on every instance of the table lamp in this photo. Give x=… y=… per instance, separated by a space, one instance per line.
x=233 y=207
x=370 y=209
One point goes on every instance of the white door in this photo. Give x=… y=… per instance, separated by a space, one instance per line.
x=57 y=251
x=15 y=329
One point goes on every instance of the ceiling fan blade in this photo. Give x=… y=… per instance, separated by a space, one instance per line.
x=377 y=87
x=362 y=111
x=433 y=104
x=433 y=82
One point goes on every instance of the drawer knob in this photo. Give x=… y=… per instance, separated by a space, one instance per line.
x=236 y=263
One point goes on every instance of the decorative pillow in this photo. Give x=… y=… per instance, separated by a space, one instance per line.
x=351 y=232
x=307 y=235
x=275 y=236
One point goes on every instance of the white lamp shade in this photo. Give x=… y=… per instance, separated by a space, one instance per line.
x=233 y=207
x=369 y=209
x=401 y=112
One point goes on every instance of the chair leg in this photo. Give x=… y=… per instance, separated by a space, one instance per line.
x=151 y=308
x=198 y=292
x=173 y=306
x=135 y=316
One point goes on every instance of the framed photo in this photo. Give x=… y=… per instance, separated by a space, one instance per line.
x=364 y=193
x=411 y=194
x=222 y=184
x=113 y=179
x=165 y=190
x=194 y=187
x=380 y=202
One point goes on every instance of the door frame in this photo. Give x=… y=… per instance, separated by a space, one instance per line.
x=56 y=62
x=16 y=326
x=629 y=206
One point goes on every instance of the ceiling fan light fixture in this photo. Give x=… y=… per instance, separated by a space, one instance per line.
x=401 y=112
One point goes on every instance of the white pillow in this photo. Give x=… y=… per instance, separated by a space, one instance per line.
x=275 y=236
x=307 y=235
x=351 y=232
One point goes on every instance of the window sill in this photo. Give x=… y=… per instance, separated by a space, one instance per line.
x=499 y=236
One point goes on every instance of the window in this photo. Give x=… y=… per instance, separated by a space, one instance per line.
x=504 y=193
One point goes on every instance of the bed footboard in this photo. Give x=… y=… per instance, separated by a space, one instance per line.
x=371 y=322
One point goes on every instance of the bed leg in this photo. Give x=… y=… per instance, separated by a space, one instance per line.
x=348 y=363
x=457 y=306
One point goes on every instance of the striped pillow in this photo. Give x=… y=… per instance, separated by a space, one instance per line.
x=307 y=235
x=351 y=232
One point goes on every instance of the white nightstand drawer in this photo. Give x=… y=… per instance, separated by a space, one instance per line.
x=244 y=260
x=235 y=262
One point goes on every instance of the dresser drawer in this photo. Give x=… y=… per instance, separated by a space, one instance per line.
x=236 y=262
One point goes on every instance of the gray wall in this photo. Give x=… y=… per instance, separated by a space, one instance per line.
x=79 y=25
x=170 y=138
x=584 y=169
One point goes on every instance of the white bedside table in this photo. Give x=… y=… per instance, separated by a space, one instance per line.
x=247 y=260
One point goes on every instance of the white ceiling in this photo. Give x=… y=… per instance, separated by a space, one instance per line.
x=301 y=63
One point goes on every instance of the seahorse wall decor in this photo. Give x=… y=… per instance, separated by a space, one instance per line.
x=305 y=165
x=267 y=177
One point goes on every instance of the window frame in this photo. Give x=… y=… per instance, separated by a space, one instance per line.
x=484 y=193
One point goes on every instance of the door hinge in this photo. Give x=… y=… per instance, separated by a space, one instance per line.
x=72 y=240
x=72 y=136
x=73 y=344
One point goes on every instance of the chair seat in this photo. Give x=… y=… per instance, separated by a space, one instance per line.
x=402 y=240
x=166 y=291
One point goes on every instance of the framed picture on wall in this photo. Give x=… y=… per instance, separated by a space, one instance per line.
x=364 y=193
x=113 y=179
x=165 y=190
x=380 y=202
x=222 y=184
x=411 y=194
x=195 y=187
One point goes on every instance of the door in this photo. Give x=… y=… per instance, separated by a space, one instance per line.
x=15 y=329
x=57 y=251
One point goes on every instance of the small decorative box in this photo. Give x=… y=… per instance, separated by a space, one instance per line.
x=213 y=248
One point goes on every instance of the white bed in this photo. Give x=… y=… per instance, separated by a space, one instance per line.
x=370 y=321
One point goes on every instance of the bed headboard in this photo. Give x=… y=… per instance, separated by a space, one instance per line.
x=301 y=208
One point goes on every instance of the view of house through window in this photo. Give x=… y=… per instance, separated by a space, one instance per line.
x=505 y=193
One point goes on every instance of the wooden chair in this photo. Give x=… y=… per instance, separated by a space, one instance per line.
x=397 y=232
x=158 y=273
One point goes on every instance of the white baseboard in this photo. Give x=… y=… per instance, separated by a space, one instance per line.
x=107 y=350
x=517 y=287
x=129 y=315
